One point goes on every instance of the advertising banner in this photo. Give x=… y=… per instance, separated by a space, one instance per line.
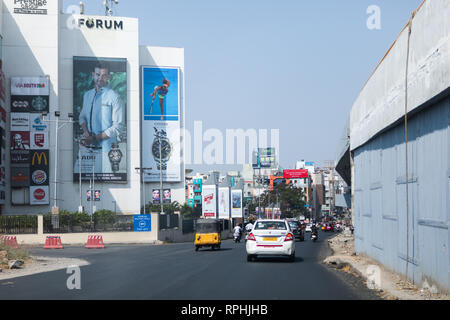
x=100 y=108
x=30 y=94
x=39 y=195
x=142 y=223
x=2 y=128
x=295 y=174
x=20 y=156
x=224 y=203
x=209 y=199
x=39 y=177
x=236 y=203
x=96 y=195
x=20 y=122
x=39 y=140
x=161 y=135
x=36 y=125
x=20 y=176
x=20 y=140
x=167 y=196
x=267 y=157
x=156 y=194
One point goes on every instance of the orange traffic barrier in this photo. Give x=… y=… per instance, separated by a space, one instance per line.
x=95 y=242
x=10 y=241
x=53 y=243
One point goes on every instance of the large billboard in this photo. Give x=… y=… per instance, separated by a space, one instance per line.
x=209 y=201
x=236 y=204
x=100 y=108
x=161 y=113
x=224 y=203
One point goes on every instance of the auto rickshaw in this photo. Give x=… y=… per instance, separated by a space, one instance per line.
x=207 y=233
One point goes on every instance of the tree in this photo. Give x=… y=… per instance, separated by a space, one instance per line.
x=289 y=197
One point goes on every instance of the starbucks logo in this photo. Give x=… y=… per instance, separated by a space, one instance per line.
x=39 y=104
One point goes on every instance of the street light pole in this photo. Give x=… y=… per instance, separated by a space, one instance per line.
x=142 y=173
x=160 y=176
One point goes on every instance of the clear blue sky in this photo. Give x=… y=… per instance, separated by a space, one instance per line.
x=293 y=65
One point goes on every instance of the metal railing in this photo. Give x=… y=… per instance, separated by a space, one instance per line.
x=18 y=224
x=76 y=224
x=168 y=221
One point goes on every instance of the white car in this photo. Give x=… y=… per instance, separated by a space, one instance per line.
x=308 y=227
x=271 y=238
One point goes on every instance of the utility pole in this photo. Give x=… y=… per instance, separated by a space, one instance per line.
x=142 y=171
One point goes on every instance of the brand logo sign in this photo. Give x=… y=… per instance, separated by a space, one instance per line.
x=30 y=86
x=37 y=124
x=39 y=158
x=39 y=195
x=21 y=105
x=100 y=24
x=20 y=121
x=39 y=140
x=30 y=7
x=39 y=177
x=20 y=156
x=20 y=176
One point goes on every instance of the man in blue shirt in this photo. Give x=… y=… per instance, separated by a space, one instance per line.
x=102 y=116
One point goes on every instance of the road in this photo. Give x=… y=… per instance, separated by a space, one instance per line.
x=177 y=272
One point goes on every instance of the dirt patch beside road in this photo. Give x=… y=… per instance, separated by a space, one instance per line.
x=388 y=284
x=35 y=265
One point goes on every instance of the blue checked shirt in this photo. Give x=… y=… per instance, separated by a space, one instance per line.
x=103 y=111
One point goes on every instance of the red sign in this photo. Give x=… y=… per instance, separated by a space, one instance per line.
x=39 y=194
x=295 y=174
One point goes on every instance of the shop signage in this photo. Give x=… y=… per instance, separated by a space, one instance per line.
x=30 y=7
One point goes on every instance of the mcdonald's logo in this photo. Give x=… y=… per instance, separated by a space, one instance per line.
x=39 y=156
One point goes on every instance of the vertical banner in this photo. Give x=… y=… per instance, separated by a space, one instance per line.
x=167 y=196
x=29 y=154
x=224 y=203
x=209 y=199
x=161 y=135
x=100 y=108
x=236 y=204
x=156 y=194
x=2 y=128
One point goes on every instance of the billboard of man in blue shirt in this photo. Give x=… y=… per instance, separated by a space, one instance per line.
x=100 y=104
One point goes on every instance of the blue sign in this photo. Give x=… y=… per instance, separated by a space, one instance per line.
x=142 y=222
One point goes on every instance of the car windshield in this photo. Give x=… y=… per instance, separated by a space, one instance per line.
x=293 y=224
x=270 y=225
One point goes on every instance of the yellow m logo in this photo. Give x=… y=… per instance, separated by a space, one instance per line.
x=40 y=156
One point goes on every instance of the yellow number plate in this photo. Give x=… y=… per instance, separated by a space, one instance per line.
x=270 y=239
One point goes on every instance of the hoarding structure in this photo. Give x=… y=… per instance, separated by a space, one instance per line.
x=236 y=204
x=29 y=154
x=209 y=201
x=161 y=135
x=224 y=203
x=100 y=108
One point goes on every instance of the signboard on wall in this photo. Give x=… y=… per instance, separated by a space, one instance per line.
x=100 y=108
x=161 y=113
x=209 y=201
x=29 y=154
x=30 y=7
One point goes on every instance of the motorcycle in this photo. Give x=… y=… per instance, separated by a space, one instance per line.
x=314 y=237
x=237 y=237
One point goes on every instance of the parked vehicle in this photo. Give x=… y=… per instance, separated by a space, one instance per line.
x=271 y=237
x=207 y=234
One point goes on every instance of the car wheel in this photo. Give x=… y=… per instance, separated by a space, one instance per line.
x=292 y=257
x=196 y=248
x=249 y=258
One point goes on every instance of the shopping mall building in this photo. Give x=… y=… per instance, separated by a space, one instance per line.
x=78 y=95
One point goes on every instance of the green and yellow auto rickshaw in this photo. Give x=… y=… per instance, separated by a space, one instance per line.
x=207 y=233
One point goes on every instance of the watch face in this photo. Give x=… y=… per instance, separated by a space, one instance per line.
x=115 y=155
x=166 y=149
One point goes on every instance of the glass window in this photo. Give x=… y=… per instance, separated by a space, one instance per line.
x=271 y=225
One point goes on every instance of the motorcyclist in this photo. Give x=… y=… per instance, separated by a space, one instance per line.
x=314 y=230
x=237 y=232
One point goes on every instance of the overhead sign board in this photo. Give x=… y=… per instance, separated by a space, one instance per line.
x=295 y=174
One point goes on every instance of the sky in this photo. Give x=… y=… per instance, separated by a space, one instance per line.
x=292 y=65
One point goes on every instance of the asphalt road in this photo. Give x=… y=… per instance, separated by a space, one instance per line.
x=177 y=272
